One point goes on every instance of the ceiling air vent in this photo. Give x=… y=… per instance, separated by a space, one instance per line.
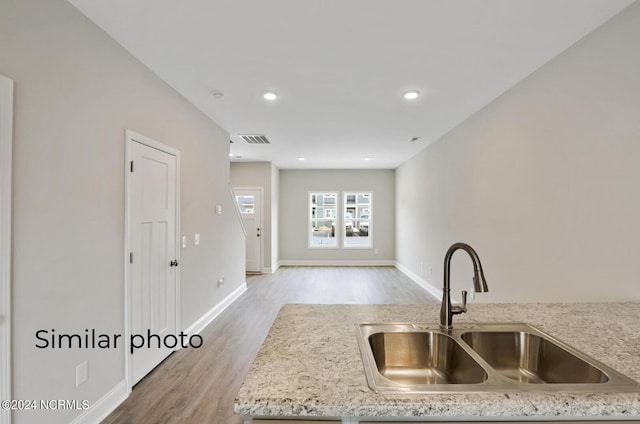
x=255 y=138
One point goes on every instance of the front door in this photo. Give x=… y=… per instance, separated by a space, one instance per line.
x=153 y=275
x=250 y=204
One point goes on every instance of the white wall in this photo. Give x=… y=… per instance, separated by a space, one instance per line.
x=76 y=91
x=294 y=214
x=543 y=182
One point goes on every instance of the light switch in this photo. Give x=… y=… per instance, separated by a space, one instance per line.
x=82 y=373
x=184 y=242
x=218 y=209
x=196 y=239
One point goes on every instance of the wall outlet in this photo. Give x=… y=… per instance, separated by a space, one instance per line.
x=196 y=239
x=82 y=373
x=218 y=209
x=422 y=266
x=221 y=282
x=471 y=293
x=430 y=270
x=184 y=242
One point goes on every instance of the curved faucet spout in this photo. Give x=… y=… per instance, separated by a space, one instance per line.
x=479 y=283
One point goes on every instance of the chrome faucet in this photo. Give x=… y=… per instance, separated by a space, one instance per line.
x=479 y=284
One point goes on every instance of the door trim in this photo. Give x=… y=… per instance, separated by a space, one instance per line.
x=133 y=137
x=6 y=148
x=261 y=190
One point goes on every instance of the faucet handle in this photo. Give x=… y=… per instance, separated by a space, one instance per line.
x=460 y=309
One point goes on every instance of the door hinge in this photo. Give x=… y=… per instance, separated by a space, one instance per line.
x=130 y=257
x=131 y=166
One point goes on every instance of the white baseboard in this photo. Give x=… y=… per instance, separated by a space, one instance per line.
x=110 y=401
x=433 y=290
x=206 y=319
x=104 y=406
x=303 y=262
x=271 y=270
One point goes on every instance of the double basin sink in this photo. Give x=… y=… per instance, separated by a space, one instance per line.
x=421 y=358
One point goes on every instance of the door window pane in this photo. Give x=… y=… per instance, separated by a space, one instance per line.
x=246 y=204
x=322 y=219
x=357 y=219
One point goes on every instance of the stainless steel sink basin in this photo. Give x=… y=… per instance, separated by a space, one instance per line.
x=529 y=358
x=417 y=358
x=422 y=358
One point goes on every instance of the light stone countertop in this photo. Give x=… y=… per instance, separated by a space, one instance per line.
x=310 y=364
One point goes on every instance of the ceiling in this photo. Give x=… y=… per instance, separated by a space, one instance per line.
x=340 y=67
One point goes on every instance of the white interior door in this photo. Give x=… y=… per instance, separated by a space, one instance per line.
x=153 y=268
x=6 y=143
x=250 y=204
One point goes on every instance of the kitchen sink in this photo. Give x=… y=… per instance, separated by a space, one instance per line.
x=529 y=358
x=495 y=357
x=423 y=357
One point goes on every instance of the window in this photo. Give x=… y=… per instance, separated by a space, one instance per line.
x=245 y=203
x=352 y=225
x=322 y=214
x=357 y=219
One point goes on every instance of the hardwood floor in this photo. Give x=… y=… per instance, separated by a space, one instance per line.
x=199 y=385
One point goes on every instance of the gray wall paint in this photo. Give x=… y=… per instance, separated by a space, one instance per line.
x=294 y=210
x=275 y=214
x=76 y=93
x=543 y=181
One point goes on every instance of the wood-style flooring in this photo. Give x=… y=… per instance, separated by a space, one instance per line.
x=199 y=385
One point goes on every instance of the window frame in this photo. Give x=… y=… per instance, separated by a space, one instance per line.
x=355 y=218
x=337 y=215
x=311 y=220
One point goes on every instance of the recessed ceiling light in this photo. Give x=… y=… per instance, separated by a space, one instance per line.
x=367 y=158
x=270 y=95
x=230 y=155
x=411 y=94
x=301 y=159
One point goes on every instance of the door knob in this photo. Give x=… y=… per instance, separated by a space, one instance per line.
x=173 y=262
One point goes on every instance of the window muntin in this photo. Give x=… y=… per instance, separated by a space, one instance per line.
x=322 y=219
